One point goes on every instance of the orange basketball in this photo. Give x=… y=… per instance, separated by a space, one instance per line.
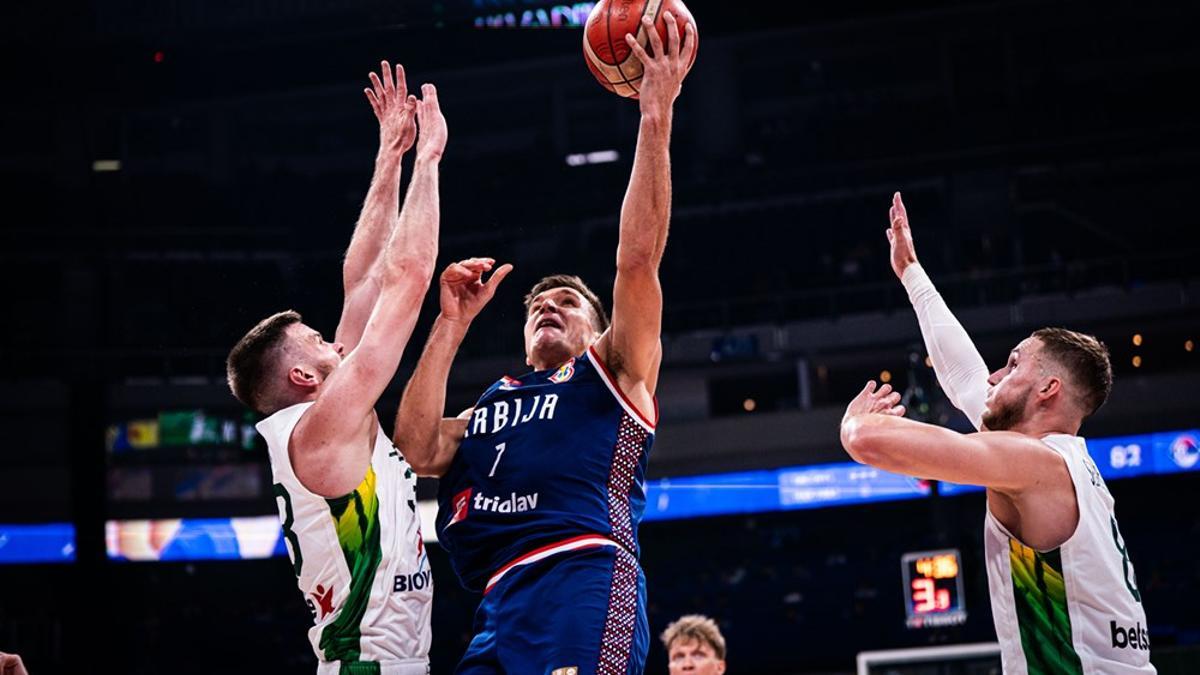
x=604 y=48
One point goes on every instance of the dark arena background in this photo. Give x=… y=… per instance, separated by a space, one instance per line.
x=174 y=171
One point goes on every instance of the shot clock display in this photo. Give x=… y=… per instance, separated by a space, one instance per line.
x=933 y=589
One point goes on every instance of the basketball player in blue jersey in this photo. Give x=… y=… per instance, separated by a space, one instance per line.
x=541 y=484
x=346 y=498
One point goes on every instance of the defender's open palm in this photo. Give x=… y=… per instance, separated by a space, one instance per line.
x=871 y=400
x=432 y=141
x=900 y=237
x=395 y=109
x=463 y=291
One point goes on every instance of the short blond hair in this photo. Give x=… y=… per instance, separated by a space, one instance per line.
x=695 y=627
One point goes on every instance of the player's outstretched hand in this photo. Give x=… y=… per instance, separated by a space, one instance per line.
x=432 y=141
x=10 y=664
x=463 y=291
x=883 y=401
x=394 y=107
x=900 y=237
x=665 y=69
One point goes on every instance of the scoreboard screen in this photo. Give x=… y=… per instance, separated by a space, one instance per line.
x=933 y=589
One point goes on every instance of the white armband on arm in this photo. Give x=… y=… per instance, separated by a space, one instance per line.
x=958 y=366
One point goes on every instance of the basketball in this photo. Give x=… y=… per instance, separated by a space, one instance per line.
x=604 y=48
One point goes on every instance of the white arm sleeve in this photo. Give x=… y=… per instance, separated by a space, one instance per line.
x=958 y=366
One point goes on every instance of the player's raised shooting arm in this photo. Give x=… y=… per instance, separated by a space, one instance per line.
x=427 y=440
x=1002 y=460
x=395 y=110
x=633 y=344
x=351 y=391
x=959 y=368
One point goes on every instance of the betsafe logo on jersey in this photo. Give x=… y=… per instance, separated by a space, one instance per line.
x=1133 y=637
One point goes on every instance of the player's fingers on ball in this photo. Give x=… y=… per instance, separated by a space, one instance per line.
x=672 y=34
x=652 y=36
x=636 y=48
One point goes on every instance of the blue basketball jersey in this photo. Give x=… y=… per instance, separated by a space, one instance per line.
x=550 y=461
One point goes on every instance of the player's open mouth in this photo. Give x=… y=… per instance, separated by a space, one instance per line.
x=548 y=322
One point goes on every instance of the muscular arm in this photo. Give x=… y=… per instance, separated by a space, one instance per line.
x=1007 y=462
x=427 y=441
x=395 y=110
x=349 y=394
x=632 y=345
x=633 y=341
x=958 y=366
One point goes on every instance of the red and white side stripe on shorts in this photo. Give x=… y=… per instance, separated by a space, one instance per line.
x=572 y=544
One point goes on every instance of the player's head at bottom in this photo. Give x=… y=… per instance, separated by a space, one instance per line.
x=694 y=645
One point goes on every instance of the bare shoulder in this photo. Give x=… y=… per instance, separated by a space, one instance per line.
x=1040 y=468
x=331 y=467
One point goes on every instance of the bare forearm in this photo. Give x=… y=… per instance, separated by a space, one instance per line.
x=376 y=219
x=646 y=212
x=414 y=240
x=1000 y=460
x=891 y=443
x=424 y=401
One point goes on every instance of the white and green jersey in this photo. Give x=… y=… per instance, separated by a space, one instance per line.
x=359 y=559
x=1075 y=609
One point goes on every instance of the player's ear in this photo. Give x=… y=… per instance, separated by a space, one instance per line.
x=302 y=377
x=1050 y=387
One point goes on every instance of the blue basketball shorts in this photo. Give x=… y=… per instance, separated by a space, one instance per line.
x=581 y=612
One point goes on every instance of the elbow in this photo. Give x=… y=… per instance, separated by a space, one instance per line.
x=860 y=443
x=410 y=271
x=641 y=262
x=420 y=462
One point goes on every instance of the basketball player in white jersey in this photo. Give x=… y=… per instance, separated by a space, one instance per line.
x=345 y=495
x=1064 y=595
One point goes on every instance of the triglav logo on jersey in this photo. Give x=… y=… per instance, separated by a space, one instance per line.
x=513 y=503
x=461 y=503
x=1185 y=451
x=563 y=374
